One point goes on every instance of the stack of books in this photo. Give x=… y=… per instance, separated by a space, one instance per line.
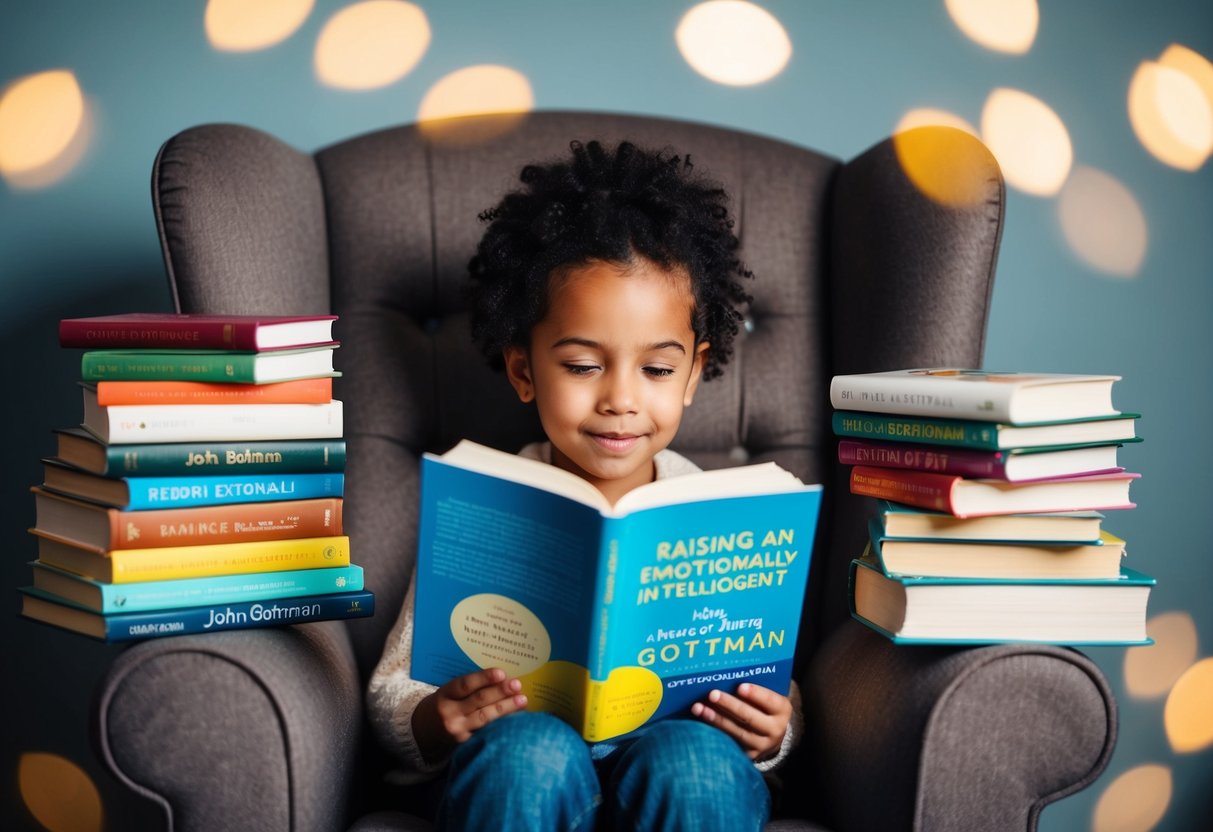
x=990 y=489
x=203 y=488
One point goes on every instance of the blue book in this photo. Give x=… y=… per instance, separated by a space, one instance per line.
x=128 y=626
x=141 y=596
x=138 y=493
x=610 y=616
x=917 y=610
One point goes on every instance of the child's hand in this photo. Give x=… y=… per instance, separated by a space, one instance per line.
x=451 y=714
x=756 y=717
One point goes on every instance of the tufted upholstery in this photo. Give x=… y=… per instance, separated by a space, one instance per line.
x=855 y=270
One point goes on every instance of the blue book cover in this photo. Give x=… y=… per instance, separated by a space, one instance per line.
x=141 y=596
x=935 y=610
x=138 y=493
x=610 y=617
x=128 y=626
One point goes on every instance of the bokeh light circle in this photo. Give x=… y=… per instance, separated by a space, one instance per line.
x=1029 y=140
x=58 y=793
x=248 y=25
x=1188 y=715
x=1135 y=801
x=371 y=44
x=1150 y=671
x=40 y=115
x=1105 y=226
x=1003 y=25
x=1171 y=115
x=733 y=42
x=931 y=116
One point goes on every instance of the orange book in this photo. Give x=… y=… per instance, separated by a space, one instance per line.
x=100 y=527
x=300 y=391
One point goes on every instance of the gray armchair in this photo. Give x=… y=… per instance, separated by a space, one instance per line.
x=856 y=271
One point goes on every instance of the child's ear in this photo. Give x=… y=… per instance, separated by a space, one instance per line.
x=701 y=356
x=518 y=369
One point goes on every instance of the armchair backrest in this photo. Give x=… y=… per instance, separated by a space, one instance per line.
x=856 y=270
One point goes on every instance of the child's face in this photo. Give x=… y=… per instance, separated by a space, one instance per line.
x=611 y=368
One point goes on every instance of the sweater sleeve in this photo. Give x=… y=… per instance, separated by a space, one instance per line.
x=791 y=737
x=393 y=696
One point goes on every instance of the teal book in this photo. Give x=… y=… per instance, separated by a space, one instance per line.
x=918 y=610
x=142 y=596
x=211 y=618
x=990 y=436
x=610 y=616
x=138 y=493
x=80 y=448
x=207 y=365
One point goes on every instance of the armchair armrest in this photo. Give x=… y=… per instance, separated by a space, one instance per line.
x=947 y=738
x=236 y=730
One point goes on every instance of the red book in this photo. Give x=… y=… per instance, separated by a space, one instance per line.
x=976 y=498
x=250 y=333
x=1017 y=465
x=299 y=391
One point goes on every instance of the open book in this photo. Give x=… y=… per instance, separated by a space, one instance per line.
x=610 y=616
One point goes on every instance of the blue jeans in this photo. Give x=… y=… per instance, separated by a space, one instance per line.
x=530 y=771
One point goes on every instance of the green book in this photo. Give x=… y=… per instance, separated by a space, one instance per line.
x=992 y=436
x=82 y=449
x=207 y=365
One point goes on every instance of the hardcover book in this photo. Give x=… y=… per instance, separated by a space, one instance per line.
x=80 y=448
x=122 y=566
x=1007 y=559
x=138 y=493
x=186 y=331
x=142 y=596
x=1017 y=398
x=972 y=498
x=965 y=433
x=967 y=611
x=127 y=626
x=206 y=365
x=899 y=520
x=102 y=527
x=610 y=616
x=140 y=423
x=299 y=391
x=1017 y=465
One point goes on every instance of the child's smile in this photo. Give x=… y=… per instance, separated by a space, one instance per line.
x=611 y=368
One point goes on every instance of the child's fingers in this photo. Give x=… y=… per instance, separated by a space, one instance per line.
x=461 y=687
x=481 y=717
x=743 y=714
x=764 y=699
x=489 y=694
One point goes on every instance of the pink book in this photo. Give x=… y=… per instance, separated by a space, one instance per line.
x=1019 y=465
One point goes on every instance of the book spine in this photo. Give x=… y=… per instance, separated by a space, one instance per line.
x=599 y=656
x=913 y=395
x=211 y=459
x=218 y=367
x=964 y=463
x=228 y=589
x=221 y=422
x=167 y=334
x=931 y=491
x=216 y=617
x=951 y=432
x=239 y=522
x=299 y=391
x=184 y=492
x=165 y=564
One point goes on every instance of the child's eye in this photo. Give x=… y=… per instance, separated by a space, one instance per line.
x=581 y=369
x=659 y=372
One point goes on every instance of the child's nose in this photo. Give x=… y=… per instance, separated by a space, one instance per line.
x=618 y=393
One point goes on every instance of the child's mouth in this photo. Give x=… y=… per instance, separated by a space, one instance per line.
x=615 y=442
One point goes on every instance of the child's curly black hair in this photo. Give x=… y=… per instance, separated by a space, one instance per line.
x=609 y=206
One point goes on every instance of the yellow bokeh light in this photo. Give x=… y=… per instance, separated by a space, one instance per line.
x=42 y=121
x=1106 y=228
x=930 y=116
x=1002 y=25
x=248 y=25
x=59 y=794
x=1151 y=671
x=1171 y=115
x=944 y=164
x=733 y=42
x=1135 y=801
x=1192 y=64
x=1029 y=140
x=477 y=90
x=371 y=44
x=1188 y=715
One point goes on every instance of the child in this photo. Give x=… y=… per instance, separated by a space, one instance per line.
x=606 y=288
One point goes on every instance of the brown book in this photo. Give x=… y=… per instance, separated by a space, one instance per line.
x=104 y=528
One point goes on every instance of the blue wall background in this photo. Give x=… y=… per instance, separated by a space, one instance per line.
x=86 y=245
